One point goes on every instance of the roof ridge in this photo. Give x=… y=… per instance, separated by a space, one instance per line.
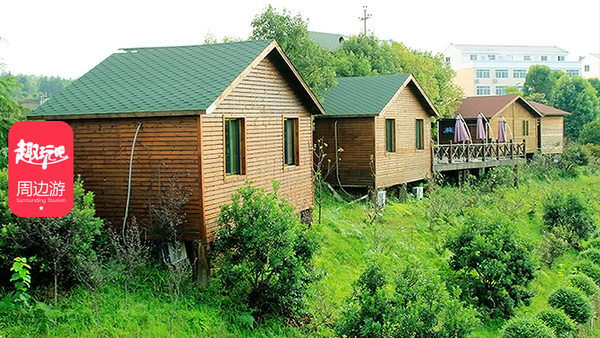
x=198 y=45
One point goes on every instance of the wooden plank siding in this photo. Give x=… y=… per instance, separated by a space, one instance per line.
x=356 y=137
x=407 y=163
x=552 y=134
x=165 y=146
x=514 y=115
x=263 y=99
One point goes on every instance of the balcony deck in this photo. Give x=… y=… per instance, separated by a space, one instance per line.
x=447 y=157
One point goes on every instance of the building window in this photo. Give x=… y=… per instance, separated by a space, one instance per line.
x=234 y=146
x=544 y=58
x=491 y=57
x=520 y=73
x=520 y=88
x=572 y=72
x=419 y=134
x=290 y=141
x=483 y=90
x=502 y=73
x=482 y=73
x=390 y=135
x=586 y=68
x=525 y=128
x=561 y=58
x=500 y=90
x=447 y=59
x=527 y=58
x=473 y=57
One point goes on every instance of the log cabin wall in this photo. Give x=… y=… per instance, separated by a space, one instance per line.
x=514 y=115
x=165 y=146
x=263 y=99
x=356 y=137
x=406 y=163
x=552 y=134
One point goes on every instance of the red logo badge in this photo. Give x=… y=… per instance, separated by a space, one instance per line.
x=40 y=169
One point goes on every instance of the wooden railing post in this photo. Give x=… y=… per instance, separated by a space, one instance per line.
x=468 y=153
x=483 y=147
x=512 y=148
x=450 y=153
x=497 y=150
x=524 y=148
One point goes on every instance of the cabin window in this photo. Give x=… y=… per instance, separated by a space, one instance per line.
x=390 y=135
x=525 y=128
x=234 y=146
x=290 y=141
x=419 y=134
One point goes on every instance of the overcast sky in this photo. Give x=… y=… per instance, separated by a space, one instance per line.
x=69 y=37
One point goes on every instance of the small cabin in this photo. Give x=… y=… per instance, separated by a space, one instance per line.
x=213 y=115
x=383 y=125
x=552 y=128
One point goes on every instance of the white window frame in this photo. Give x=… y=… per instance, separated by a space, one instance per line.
x=500 y=90
x=501 y=74
x=520 y=73
x=480 y=73
x=483 y=90
x=572 y=72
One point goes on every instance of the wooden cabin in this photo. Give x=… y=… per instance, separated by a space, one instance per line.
x=383 y=125
x=213 y=115
x=521 y=116
x=552 y=128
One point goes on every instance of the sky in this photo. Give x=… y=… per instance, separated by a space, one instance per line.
x=67 y=38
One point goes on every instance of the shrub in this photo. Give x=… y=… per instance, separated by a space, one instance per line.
x=591 y=254
x=558 y=320
x=571 y=210
x=526 y=327
x=593 y=243
x=573 y=302
x=584 y=283
x=552 y=246
x=590 y=269
x=419 y=305
x=574 y=155
x=264 y=255
x=492 y=262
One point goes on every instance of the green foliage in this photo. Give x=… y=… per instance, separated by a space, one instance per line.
x=552 y=247
x=559 y=321
x=590 y=269
x=313 y=62
x=584 y=283
x=526 y=327
x=263 y=254
x=578 y=97
x=573 y=157
x=22 y=279
x=10 y=111
x=539 y=80
x=572 y=211
x=590 y=133
x=591 y=254
x=494 y=265
x=595 y=82
x=573 y=302
x=419 y=306
x=366 y=55
x=32 y=86
x=511 y=90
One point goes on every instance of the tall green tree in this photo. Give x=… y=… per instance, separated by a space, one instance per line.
x=434 y=74
x=595 y=82
x=366 y=55
x=590 y=133
x=541 y=79
x=10 y=111
x=313 y=62
x=577 y=96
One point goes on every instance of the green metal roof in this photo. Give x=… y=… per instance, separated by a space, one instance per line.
x=155 y=79
x=327 y=40
x=355 y=96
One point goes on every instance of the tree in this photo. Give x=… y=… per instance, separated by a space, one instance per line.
x=577 y=96
x=510 y=90
x=590 y=133
x=366 y=55
x=540 y=79
x=595 y=82
x=492 y=263
x=434 y=75
x=313 y=61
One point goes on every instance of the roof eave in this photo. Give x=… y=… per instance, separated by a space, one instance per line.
x=116 y=115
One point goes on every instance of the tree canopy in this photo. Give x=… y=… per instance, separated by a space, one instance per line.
x=577 y=96
x=366 y=55
x=541 y=79
x=313 y=61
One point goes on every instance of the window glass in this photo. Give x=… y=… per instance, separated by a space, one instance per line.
x=290 y=133
x=390 y=135
x=233 y=146
x=419 y=134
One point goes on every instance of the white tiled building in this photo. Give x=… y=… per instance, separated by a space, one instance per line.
x=488 y=70
x=590 y=66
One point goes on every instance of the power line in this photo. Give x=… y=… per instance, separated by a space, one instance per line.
x=364 y=18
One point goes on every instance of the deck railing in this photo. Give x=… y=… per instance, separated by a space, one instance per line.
x=479 y=152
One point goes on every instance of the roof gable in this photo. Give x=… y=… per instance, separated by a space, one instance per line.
x=547 y=110
x=163 y=79
x=490 y=106
x=369 y=95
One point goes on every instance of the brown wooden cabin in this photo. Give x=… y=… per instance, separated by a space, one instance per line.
x=522 y=118
x=214 y=115
x=552 y=128
x=383 y=125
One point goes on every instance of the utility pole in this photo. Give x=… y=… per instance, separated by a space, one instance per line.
x=364 y=18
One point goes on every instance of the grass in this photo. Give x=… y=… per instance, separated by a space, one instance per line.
x=348 y=240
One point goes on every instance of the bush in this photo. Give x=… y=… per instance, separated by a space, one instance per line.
x=493 y=263
x=526 y=327
x=584 y=283
x=558 y=320
x=571 y=210
x=574 y=155
x=573 y=302
x=418 y=306
x=552 y=247
x=591 y=254
x=590 y=269
x=264 y=255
